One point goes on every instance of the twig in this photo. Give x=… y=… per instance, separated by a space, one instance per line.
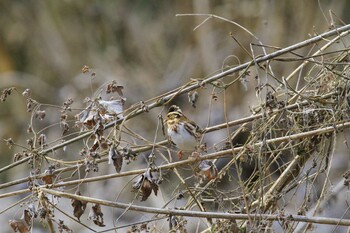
x=148 y=147
x=188 y=213
x=164 y=99
x=214 y=155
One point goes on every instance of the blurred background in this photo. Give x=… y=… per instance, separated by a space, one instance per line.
x=146 y=48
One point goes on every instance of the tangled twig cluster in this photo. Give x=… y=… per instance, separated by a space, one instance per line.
x=291 y=140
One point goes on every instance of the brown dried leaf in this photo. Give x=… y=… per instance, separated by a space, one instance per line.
x=95 y=145
x=115 y=157
x=96 y=215
x=79 y=206
x=27 y=217
x=83 y=115
x=48 y=178
x=19 y=226
x=146 y=190
x=114 y=87
x=90 y=121
x=146 y=184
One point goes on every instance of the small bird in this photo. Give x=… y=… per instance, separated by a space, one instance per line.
x=184 y=133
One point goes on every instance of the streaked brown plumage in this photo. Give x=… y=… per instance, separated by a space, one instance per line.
x=184 y=133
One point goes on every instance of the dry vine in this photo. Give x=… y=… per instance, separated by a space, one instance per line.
x=291 y=141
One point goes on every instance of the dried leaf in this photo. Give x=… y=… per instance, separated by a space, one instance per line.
x=100 y=112
x=95 y=145
x=17 y=156
x=145 y=184
x=128 y=154
x=113 y=107
x=114 y=87
x=83 y=115
x=19 y=226
x=67 y=104
x=146 y=189
x=79 y=206
x=192 y=98
x=63 y=227
x=208 y=169
x=65 y=127
x=42 y=213
x=27 y=217
x=115 y=157
x=90 y=121
x=40 y=114
x=173 y=222
x=49 y=177
x=90 y=161
x=96 y=215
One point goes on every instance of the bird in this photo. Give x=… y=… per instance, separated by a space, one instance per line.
x=182 y=132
